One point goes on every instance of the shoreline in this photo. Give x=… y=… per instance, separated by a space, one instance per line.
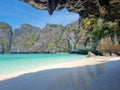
x=79 y=63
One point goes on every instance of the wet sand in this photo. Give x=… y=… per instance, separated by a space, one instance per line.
x=97 y=73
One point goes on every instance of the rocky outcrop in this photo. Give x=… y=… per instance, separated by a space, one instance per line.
x=90 y=54
x=114 y=55
x=5 y=37
x=109 y=45
x=101 y=35
x=109 y=9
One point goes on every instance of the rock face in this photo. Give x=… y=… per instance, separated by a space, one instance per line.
x=109 y=9
x=24 y=38
x=32 y=39
x=102 y=35
x=55 y=38
x=52 y=38
x=5 y=37
x=76 y=38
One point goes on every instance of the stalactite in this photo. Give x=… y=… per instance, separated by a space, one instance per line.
x=52 y=4
x=62 y=1
x=49 y=6
x=37 y=1
x=104 y=2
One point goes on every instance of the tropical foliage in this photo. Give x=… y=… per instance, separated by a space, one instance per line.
x=96 y=30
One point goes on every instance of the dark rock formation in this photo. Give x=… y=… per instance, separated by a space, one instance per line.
x=5 y=37
x=109 y=9
x=51 y=6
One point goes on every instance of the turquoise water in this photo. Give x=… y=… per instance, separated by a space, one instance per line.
x=11 y=63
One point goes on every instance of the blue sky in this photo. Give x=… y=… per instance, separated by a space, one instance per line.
x=16 y=13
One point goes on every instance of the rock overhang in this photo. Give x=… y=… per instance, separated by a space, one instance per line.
x=109 y=9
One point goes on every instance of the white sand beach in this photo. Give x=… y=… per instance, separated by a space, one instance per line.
x=83 y=62
x=75 y=75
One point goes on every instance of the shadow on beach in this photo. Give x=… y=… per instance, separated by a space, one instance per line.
x=104 y=76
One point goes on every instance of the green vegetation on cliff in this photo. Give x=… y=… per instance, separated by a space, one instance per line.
x=97 y=29
x=94 y=34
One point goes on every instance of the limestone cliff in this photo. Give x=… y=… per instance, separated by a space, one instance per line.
x=102 y=35
x=24 y=38
x=52 y=38
x=28 y=39
x=5 y=37
x=93 y=34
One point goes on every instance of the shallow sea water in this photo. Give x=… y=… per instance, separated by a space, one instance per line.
x=12 y=63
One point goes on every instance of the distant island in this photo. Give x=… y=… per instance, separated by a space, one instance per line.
x=94 y=34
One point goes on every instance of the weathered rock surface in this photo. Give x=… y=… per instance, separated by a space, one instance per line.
x=109 y=9
x=24 y=38
x=51 y=39
x=109 y=44
x=5 y=37
x=32 y=39
x=76 y=39
x=55 y=38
